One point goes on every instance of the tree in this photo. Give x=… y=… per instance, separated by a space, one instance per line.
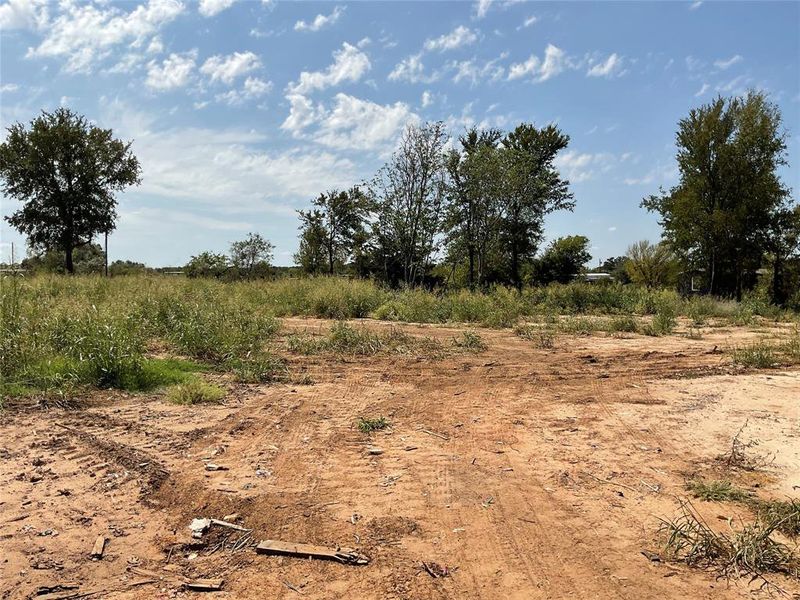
x=615 y=266
x=65 y=172
x=207 y=264
x=310 y=256
x=784 y=255
x=719 y=217
x=651 y=265
x=340 y=217
x=88 y=258
x=473 y=212
x=252 y=255
x=532 y=189
x=408 y=193
x=562 y=260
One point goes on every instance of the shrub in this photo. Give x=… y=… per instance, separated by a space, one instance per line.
x=469 y=340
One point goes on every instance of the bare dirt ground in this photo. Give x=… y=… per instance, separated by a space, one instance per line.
x=529 y=473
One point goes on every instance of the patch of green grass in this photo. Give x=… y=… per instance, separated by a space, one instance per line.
x=367 y=425
x=758 y=355
x=623 y=324
x=717 y=491
x=195 y=392
x=262 y=368
x=470 y=340
x=786 y=513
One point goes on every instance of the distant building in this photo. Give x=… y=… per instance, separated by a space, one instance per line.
x=593 y=277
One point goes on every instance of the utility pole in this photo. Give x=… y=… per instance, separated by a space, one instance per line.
x=106 y=256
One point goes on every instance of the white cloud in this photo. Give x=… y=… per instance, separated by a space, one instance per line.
x=252 y=89
x=173 y=72
x=460 y=36
x=224 y=167
x=227 y=68
x=609 y=68
x=702 y=91
x=736 y=85
x=660 y=174
x=8 y=88
x=694 y=64
x=350 y=124
x=209 y=8
x=612 y=228
x=86 y=33
x=320 y=21
x=412 y=69
x=302 y=113
x=726 y=64
x=427 y=99
x=481 y=8
x=356 y=124
x=23 y=14
x=696 y=4
x=579 y=167
x=555 y=61
x=349 y=64
x=532 y=20
x=472 y=71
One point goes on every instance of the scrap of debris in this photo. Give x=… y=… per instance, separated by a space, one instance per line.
x=436 y=570
x=346 y=556
x=98 y=548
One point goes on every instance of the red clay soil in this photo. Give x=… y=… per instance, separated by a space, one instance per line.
x=512 y=473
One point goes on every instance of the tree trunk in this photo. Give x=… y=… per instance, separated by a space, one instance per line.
x=68 y=259
x=471 y=267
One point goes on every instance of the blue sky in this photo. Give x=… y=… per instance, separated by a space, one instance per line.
x=241 y=112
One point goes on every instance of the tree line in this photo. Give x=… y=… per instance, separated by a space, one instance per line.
x=465 y=212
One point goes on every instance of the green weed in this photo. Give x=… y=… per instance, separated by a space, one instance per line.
x=367 y=425
x=195 y=392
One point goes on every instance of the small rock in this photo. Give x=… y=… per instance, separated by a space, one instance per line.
x=231 y=517
x=372 y=450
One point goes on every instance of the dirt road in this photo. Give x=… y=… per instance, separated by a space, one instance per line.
x=528 y=473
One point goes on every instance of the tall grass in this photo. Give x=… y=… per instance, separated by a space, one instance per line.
x=57 y=331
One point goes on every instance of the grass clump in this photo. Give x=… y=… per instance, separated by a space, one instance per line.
x=195 y=392
x=262 y=368
x=758 y=355
x=750 y=551
x=717 y=491
x=344 y=339
x=541 y=336
x=786 y=513
x=367 y=425
x=471 y=341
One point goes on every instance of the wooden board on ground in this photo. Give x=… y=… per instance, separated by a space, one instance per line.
x=343 y=555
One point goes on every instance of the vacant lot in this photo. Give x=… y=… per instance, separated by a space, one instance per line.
x=523 y=466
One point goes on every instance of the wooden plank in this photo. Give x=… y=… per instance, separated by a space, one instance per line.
x=99 y=547
x=204 y=585
x=343 y=555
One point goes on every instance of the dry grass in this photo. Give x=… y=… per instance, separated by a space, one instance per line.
x=749 y=551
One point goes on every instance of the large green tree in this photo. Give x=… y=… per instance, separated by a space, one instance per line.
x=719 y=218
x=473 y=213
x=252 y=255
x=532 y=189
x=564 y=258
x=65 y=171
x=408 y=193
x=339 y=218
x=311 y=256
